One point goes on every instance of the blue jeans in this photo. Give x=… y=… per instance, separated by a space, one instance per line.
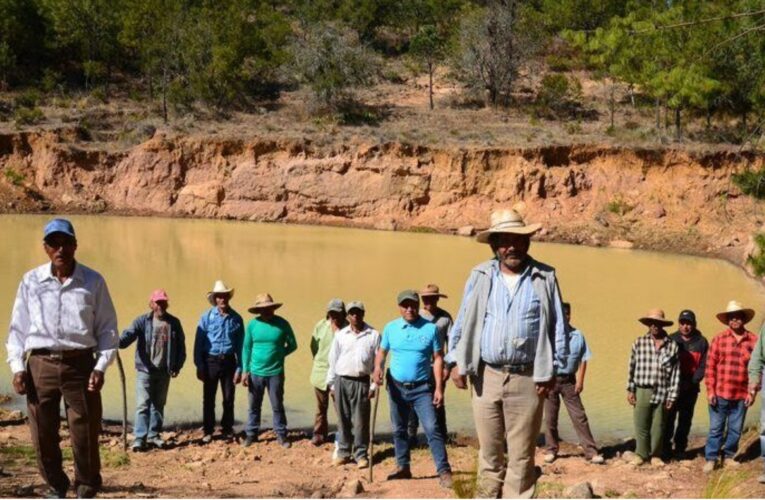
x=420 y=400
x=256 y=388
x=733 y=412
x=151 y=396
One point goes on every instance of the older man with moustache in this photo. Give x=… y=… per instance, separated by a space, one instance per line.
x=64 y=319
x=509 y=330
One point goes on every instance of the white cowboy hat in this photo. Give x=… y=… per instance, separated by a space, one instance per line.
x=219 y=287
x=655 y=316
x=733 y=307
x=263 y=301
x=507 y=221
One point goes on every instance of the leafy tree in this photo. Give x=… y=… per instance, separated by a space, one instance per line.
x=23 y=37
x=429 y=47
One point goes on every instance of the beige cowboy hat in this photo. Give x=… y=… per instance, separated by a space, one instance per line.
x=655 y=316
x=733 y=307
x=263 y=301
x=507 y=221
x=432 y=291
x=219 y=287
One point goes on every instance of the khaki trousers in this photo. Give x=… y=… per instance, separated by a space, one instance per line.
x=507 y=412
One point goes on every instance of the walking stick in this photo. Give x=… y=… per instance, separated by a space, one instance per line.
x=124 y=402
x=372 y=434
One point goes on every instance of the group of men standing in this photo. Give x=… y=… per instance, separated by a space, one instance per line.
x=512 y=338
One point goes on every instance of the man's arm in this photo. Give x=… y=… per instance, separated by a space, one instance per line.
x=18 y=330
x=315 y=340
x=674 y=382
x=756 y=363
x=291 y=344
x=698 y=375
x=199 y=342
x=334 y=354
x=181 y=346
x=379 y=364
x=710 y=375
x=238 y=346
x=455 y=335
x=631 y=386
x=560 y=336
x=130 y=334
x=438 y=368
x=105 y=328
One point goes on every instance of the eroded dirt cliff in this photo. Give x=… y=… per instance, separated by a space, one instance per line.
x=669 y=200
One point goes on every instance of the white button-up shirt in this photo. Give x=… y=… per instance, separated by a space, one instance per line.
x=76 y=314
x=353 y=354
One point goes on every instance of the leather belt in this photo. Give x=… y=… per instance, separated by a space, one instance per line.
x=517 y=368
x=63 y=354
x=410 y=385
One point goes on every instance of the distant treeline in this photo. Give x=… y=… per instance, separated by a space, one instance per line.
x=706 y=58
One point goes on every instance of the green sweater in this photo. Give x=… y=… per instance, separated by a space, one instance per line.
x=266 y=344
x=757 y=361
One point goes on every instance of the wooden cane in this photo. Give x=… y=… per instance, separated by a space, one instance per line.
x=124 y=402
x=372 y=433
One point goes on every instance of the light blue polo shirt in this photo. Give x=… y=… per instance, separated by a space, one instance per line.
x=578 y=351
x=412 y=346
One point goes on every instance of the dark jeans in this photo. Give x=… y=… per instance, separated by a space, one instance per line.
x=256 y=388
x=732 y=412
x=682 y=413
x=48 y=381
x=219 y=371
x=566 y=388
x=419 y=399
x=414 y=422
x=151 y=396
x=353 y=409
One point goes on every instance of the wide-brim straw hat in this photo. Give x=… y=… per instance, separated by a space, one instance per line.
x=432 y=291
x=735 y=306
x=507 y=221
x=655 y=316
x=263 y=301
x=219 y=287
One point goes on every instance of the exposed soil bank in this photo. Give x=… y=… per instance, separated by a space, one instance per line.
x=666 y=200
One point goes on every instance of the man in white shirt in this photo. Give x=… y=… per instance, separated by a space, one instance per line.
x=64 y=319
x=351 y=362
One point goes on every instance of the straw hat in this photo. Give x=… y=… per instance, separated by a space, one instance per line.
x=432 y=291
x=219 y=287
x=655 y=316
x=507 y=221
x=733 y=307
x=263 y=301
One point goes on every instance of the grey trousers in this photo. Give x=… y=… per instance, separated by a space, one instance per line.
x=353 y=409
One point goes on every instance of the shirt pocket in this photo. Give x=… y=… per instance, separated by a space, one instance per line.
x=77 y=311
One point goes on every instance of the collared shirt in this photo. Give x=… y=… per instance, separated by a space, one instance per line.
x=727 y=362
x=657 y=369
x=578 y=351
x=412 y=345
x=352 y=354
x=321 y=343
x=218 y=334
x=266 y=344
x=76 y=314
x=443 y=321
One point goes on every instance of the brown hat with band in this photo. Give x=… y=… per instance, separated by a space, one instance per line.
x=656 y=317
x=432 y=291
x=263 y=301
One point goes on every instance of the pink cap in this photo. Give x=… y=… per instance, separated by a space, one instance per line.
x=159 y=295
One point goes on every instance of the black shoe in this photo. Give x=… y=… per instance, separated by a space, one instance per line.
x=56 y=493
x=249 y=440
x=283 y=442
x=445 y=480
x=84 y=491
x=401 y=473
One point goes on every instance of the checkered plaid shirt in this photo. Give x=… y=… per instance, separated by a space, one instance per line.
x=655 y=369
x=727 y=361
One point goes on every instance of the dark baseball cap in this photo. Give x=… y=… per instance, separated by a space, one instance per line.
x=687 y=315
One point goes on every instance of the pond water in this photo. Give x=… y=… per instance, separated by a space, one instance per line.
x=305 y=266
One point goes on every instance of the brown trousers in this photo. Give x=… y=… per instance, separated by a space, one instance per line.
x=320 y=424
x=508 y=415
x=566 y=388
x=49 y=380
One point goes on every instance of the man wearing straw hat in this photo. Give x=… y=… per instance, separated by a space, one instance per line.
x=443 y=320
x=64 y=320
x=218 y=358
x=756 y=365
x=727 y=381
x=160 y=355
x=268 y=340
x=509 y=330
x=652 y=386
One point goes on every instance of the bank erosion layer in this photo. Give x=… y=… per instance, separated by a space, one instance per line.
x=661 y=199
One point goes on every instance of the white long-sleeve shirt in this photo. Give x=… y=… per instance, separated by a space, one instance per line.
x=76 y=314
x=353 y=354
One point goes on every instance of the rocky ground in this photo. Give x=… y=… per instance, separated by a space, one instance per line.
x=224 y=469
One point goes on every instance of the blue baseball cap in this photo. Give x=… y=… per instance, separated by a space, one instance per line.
x=58 y=226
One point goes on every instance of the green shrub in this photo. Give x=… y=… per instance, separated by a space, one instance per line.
x=757 y=260
x=15 y=178
x=28 y=116
x=559 y=96
x=561 y=63
x=618 y=206
x=28 y=99
x=751 y=182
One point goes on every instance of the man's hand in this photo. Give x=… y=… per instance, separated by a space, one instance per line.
x=96 y=381
x=446 y=373
x=460 y=381
x=749 y=401
x=372 y=393
x=377 y=377
x=579 y=387
x=712 y=399
x=669 y=404
x=20 y=383
x=173 y=374
x=631 y=399
x=244 y=378
x=438 y=398
x=237 y=378
x=544 y=387
x=200 y=374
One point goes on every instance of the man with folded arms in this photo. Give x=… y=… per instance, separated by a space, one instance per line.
x=64 y=319
x=351 y=362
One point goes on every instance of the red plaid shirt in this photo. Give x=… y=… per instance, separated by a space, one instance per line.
x=727 y=361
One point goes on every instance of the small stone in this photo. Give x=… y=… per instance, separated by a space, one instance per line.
x=581 y=490
x=317 y=494
x=351 y=489
x=623 y=244
x=628 y=456
x=466 y=231
x=24 y=490
x=15 y=415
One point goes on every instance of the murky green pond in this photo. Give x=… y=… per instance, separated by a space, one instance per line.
x=306 y=266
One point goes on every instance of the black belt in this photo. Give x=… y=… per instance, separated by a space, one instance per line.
x=63 y=354
x=360 y=378
x=512 y=368
x=566 y=377
x=410 y=385
x=220 y=356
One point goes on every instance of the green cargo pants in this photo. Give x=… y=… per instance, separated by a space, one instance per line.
x=649 y=425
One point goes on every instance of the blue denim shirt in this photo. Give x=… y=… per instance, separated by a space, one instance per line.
x=218 y=334
x=578 y=351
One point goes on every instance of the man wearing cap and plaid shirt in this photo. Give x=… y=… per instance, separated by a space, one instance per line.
x=64 y=319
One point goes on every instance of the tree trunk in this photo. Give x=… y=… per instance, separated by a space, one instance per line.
x=430 y=83
x=612 y=102
x=744 y=125
x=677 y=123
x=709 y=118
x=631 y=91
x=666 y=116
